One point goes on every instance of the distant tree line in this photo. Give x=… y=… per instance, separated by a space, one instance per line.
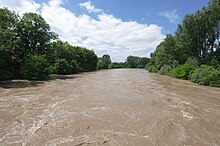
x=131 y=62
x=193 y=53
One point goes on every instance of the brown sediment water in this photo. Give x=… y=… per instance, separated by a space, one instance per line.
x=110 y=107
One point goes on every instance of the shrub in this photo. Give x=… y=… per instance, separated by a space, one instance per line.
x=183 y=71
x=165 y=70
x=152 y=69
x=62 y=67
x=35 y=67
x=206 y=75
x=5 y=75
x=140 y=66
x=74 y=67
x=101 y=65
x=192 y=61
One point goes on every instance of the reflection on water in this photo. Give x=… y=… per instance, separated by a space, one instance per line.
x=110 y=107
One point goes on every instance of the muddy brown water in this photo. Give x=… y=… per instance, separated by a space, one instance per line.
x=110 y=107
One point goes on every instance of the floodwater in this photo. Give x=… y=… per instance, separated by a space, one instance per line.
x=109 y=107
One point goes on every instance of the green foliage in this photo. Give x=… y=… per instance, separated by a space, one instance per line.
x=62 y=67
x=166 y=54
x=192 y=61
x=137 y=62
x=74 y=67
x=5 y=75
x=116 y=65
x=206 y=75
x=106 y=59
x=27 y=49
x=101 y=64
x=165 y=70
x=83 y=59
x=104 y=62
x=183 y=71
x=23 y=39
x=86 y=59
x=35 y=34
x=195 y=42
x=35 y=67
x=8 y=41
x=132 y=61
x=152 y=69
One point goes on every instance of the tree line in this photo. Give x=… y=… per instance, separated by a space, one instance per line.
x=30 y=50
x=131 y=62
x=193 y=52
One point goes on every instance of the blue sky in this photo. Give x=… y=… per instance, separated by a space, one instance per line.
x=145 y=11
x=116 y=27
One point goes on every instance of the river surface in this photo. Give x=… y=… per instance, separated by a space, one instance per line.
x=110 y=107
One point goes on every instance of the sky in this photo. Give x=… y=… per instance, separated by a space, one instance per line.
x=116 y=27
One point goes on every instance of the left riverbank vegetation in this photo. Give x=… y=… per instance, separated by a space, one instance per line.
x=30 y=50
x=193 y=52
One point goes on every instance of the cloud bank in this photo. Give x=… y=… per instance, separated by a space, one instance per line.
x=103 y=34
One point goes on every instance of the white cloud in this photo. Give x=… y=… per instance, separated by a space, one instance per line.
x=105 y=34
x=171 y=15
x=55 y=3
x=21 y=6
x=90 y=7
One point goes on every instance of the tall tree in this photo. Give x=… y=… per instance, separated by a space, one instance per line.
x=8 y=42
x=35 y=34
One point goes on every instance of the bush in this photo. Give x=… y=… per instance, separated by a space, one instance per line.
x=74 y=67
x=140 y=66
x=5 y=75
x=206 y=75
x=165 y=70
x=192 y=61
x=62 y=67
x=101 y=65
x=183 y=71
x=35 y=67
x=152 y=69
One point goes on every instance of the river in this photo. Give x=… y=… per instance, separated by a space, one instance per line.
x=110 y=107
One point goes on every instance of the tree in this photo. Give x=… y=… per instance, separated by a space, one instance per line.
x=107 y=59
x=8 y=43
x=35 y=67
x=132 y=61
x=35 y=35
x=104 y=62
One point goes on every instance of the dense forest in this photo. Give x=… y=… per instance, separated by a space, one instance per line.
x=30 y=50
x=193 y=52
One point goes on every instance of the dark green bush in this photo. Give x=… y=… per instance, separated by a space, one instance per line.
x=35 y=67
x=206 y=75
x=165 y=70
x=5 y=75
x=74 y=67
x=62 y=67
x=183 y=71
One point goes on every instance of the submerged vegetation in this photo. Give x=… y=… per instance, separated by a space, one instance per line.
x=193 y=52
